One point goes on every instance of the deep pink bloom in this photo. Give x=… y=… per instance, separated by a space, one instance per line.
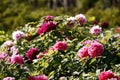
x=95 y=30
x=17 y=35
x=60 y=46
x=83 y=52
x=32 y=53
x=105 y=75
x=9 y=78
x=46 y=27
x=3 y=55
x=17 y=59
x=40 y=77
x=95 y=49
x=81 y=18
x=8 y=43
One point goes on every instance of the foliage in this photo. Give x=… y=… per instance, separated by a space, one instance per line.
x=3 y=37
x=104 y=14
x=15 y=13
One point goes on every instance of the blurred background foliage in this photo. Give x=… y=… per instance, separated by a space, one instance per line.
x=15 y=13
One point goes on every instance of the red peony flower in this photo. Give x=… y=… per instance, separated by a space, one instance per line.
x=32 y=53
x=46 y=27
x=60 y=45
x=95 y=49
x=118 y=77
x=17 y=59
x=105 y=24
x=83 y=52
x=105 y=75
x=95 y=22
x=40 y=77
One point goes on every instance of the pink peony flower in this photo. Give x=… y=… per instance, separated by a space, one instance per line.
x=17 y=35
x=91 y=48
x=8 y=43
x=88 y=42
x=48 y=18
x=3 y=55
x=40 y=77
x=95 y=49
x=46 y=27
x=14 y=50
x=32 y=53
x=60 y=45
x=81 y=18
x=95 y=30
x=17 y=59
x=105 y=75
x=9 y=78
x=83 y=52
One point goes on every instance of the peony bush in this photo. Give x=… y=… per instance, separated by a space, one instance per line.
x=61 y=48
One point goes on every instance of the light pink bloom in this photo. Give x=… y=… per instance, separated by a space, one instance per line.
x=81 y=18
x=8 y=43
x=63 y=78
x=71 y=19
x=17 y=59
x=9 y=78
x=40 y=77
x=83 y=52
x=106 y=75
x=95 y=49
x=95 y=30
x=3 y=55
x=14 y=50
x=17 y=35
x=60 y=46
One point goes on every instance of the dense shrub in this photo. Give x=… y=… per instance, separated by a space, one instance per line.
x=54 y=53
